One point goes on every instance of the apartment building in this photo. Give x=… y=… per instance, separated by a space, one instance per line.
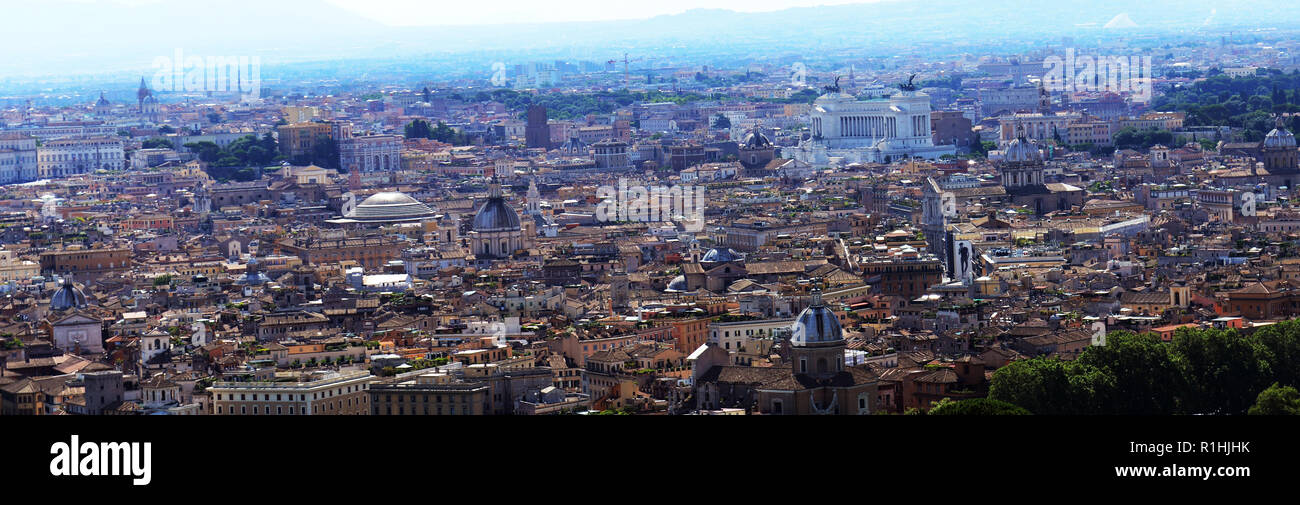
x=328 y=393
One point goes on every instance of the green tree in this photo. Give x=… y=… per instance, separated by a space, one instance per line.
x=1147 y=379
x=1224 y=370
x=1276 y=401
x=982 y=148
x=444 y=133
x=1280 y=344
x=157 y=143
x=207 y=151
x=1051 y=386
x=976 y=407
x=721 y=121
x=418 y=129
x=325 y=153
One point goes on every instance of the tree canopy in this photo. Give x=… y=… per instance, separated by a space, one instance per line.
x=442 y=133
x=236 y=160
x=1276 y=401
x=977 y=407
x=1241 y=102
x=157 y=142
x=1202 y=371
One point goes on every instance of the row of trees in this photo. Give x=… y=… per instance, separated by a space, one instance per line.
x=1133 y=138
x=1203 y=371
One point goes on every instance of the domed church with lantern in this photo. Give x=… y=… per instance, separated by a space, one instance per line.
x=71 y=326
x=1280 y=157
x=496 y=231
x=812 y=379
x=1021 y=170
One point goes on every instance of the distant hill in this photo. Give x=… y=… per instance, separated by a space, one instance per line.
x=74 y=37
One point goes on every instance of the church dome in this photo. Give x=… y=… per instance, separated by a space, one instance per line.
x=573 y=147
x=391 y=206
x=816 y=325
x=721 y=256
x=1279 y=137
x=252 y=275
x=67 y=297
x=1021 y=150
x=756 y=140
x=495 y=214
x=677 y=285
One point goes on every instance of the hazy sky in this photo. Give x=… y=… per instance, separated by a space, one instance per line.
x=462 y=12
x=459 y=12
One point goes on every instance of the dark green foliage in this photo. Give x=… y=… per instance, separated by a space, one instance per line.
x=1281 y=350
x=1244 y=102
x=1224 y=370
x=1147 y=379
x=1051 y=386
x=1203 y=371
x=1277 y=401
x=977 y=407
x=157 y=142
x=951 y=82
x=442 y=133
x=236 y=159
x=418 y=129
x=1132 y=138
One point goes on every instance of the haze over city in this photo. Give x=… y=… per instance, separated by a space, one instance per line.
x=1075 y=226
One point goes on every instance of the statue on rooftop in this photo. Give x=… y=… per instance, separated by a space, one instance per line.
x=834 y=88
x=908 y=86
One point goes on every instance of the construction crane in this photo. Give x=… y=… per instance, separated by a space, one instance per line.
x=626 y=79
